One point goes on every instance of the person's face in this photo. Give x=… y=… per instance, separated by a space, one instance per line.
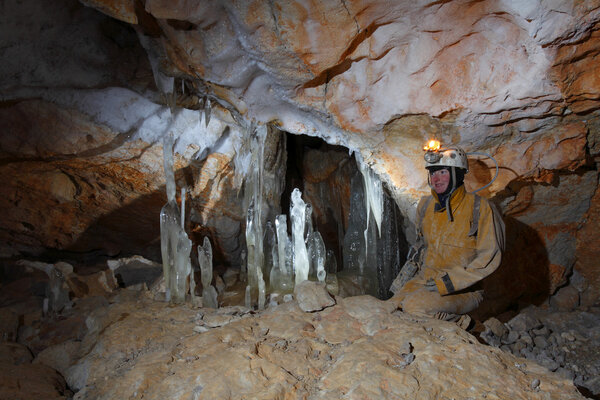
x=440 y=180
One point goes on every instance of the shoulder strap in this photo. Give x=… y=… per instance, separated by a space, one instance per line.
x=475 y=220
x=421 y=215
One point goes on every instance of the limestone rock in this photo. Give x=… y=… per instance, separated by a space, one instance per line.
x=285 y=351
x=312 y=296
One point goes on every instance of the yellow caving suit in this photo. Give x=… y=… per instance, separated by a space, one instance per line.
x=452 y=258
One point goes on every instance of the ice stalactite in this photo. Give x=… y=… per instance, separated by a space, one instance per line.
x=164 y=83
x=209 y=293
x=175 y=244
x=298 y=217
x=373 y=192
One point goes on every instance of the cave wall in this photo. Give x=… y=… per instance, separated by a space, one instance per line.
x=82 y=118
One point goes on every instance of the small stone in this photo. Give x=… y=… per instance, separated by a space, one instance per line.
x=288 y=297
x=525 y=338
x=524 y=322
x=565 y=373
x=543 y=331
x=548 y=363
x=496 y=327
x=568 y=336
x=517 y=347
x=312 y=296
x=540 y=342
x=535 y=384
x=566 y=299
x=511 y=338
x=200 y=329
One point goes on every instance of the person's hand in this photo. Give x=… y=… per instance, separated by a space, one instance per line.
x=431 y=286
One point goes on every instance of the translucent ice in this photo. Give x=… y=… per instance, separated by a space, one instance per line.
x=182 y=268
x=209 y=293
x=373 y=192
x=298 y=217
x=175 y=244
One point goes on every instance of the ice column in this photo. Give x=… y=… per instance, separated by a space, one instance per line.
x=169 y=217
x=209 y=293
x=254 y=200
x=298 y=217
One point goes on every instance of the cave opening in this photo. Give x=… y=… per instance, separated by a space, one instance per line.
x=367 y=258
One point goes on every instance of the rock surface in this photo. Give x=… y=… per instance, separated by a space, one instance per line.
x=85 y=117
x=152 y=351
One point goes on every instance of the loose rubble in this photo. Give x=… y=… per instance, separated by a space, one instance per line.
x=567 y=343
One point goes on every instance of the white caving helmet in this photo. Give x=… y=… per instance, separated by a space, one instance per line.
x=448 y=157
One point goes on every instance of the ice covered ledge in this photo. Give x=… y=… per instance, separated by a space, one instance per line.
x=360 y=73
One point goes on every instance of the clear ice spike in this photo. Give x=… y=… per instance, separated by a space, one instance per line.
x=298 y=217
x=320 y=255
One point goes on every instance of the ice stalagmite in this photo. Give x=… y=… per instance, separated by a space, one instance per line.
x=331 y=280
x=298 y=217
x=209 y=293
x=283 y=278
x=181 y=269
x=175 y=244
x=269 y=244
x=320 y=255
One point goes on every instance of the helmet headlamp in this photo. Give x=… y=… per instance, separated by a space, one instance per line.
x=432 y=154
x=432 y=157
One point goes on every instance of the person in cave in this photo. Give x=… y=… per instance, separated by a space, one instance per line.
x=460 y=241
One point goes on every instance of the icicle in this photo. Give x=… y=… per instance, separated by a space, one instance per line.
x=182 y=208
x=168 y=166
x=298 y=217
x=373 y=192
x=207 y=110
